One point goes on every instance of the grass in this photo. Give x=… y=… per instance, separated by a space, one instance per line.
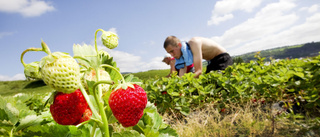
x=152 y=74
x=9 y=88
x=249 y=120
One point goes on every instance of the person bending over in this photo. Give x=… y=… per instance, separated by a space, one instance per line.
x=193 y=51
x=169 y=60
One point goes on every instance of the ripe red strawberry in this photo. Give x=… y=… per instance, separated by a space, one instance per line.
x=67 y=109
x=127 y=105
x=85 y=116
x=223 y=110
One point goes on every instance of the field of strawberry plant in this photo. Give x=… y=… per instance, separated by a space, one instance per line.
x=292 y=83
x=90 y=97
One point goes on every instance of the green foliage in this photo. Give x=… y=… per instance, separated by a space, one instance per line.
x=20 y=118
x=21 y=111
x=151 y=124
x=152 y=74
x=237 y=60
x=295 y=82
x=9 y=88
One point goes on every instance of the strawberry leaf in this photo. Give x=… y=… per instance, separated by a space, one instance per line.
x=132 y=79
x=88 y=53
x=151 y=123
x=130 y=133
x=105 y=58
x=30 y=120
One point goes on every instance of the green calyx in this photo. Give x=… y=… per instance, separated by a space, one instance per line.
x=124 y=86
x=52 y=58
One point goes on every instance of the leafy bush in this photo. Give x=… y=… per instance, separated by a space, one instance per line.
x=293 y=81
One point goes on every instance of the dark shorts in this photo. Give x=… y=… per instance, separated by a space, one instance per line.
x=220 y=62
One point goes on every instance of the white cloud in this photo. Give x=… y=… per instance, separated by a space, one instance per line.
x=28 y=8
x=274 y=9
x=303 y=33
x=149 y=43
x=128 y=62
x=114 y=30
x=268 y=21
x=15 y=77
x=215 y=19
x=3 y=34
x=132 y=63
x=223 y=9
x=313 y=8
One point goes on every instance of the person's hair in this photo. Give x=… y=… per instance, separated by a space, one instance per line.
x=171 y=40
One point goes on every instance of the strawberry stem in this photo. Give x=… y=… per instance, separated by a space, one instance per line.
x=82 y=58
x=95 y=39
x=86 y=96
x=93 y=131
x=110 y=82
x=109 y=66
x=27 y=50
x=44 y=48
x=98 y=79
x=105 y=126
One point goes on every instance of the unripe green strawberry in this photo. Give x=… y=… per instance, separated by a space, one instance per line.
x=68 y=109
x=31 y=71
x=61 y=72
x=127 y=105
x=109 y=39
x=91 y=76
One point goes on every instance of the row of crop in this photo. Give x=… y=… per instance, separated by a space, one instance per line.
x=293 y=81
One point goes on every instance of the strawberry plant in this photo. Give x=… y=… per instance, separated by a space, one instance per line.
x=90 y=95
x=293 y=81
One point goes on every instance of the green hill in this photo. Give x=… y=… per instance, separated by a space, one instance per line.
x=8 y=88
x=293 y=51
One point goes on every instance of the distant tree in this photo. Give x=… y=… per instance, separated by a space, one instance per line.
x=237 y=60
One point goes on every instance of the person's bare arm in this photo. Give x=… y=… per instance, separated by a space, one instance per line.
x=182 y=71
x=172 y=67
x=195 y=46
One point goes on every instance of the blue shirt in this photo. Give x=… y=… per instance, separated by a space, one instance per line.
x=186 y=58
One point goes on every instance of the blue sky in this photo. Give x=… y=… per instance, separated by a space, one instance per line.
x=240 y=26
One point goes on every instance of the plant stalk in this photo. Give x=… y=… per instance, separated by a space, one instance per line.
x=105 y=65
x=27 y=50
x=86 y=96
x=105 y=126
x=95 y=39
x=93 y=130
